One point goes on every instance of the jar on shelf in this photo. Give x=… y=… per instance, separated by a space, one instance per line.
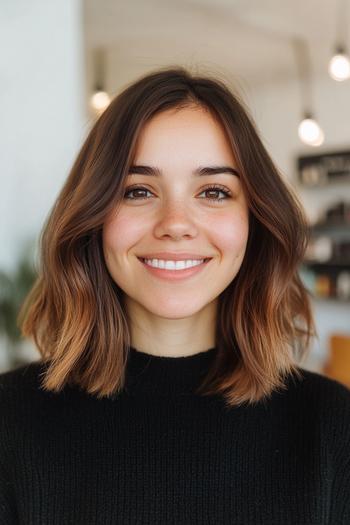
x=343 y=285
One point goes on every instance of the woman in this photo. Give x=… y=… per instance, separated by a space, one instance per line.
x=170 y=316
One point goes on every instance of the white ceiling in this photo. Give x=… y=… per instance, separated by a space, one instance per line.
x=248 y=39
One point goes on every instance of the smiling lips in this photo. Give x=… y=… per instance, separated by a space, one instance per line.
x=175 y=274
x=176 y=256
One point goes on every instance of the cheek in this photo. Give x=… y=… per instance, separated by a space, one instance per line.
x=114 y=237
x=230 y=233
x=119 y=235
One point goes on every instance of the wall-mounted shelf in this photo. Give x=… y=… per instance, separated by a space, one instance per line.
x=326 y=268
x=336 y=229
x=326 y=282
x=332 y=265
x=324 y=169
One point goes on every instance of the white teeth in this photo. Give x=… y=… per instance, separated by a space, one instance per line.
x=172 y=265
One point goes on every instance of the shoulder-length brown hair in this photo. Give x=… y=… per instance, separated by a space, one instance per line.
x=74 y=312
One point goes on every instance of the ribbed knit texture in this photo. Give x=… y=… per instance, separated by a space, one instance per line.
x=159 y=454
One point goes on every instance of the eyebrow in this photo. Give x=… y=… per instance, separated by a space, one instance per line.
x=200 y=172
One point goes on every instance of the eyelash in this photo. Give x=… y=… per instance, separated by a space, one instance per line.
x=208 y=188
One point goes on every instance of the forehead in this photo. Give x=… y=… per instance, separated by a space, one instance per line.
x=186 y=133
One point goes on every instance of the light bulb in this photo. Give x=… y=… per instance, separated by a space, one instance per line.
x=339 y=67
x=100 y=100
x=310 y=132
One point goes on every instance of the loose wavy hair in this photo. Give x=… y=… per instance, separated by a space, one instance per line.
x=75 y=311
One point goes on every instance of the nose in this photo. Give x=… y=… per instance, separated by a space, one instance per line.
x=176 y=221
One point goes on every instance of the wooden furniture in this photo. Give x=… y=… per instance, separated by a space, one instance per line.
x=338 y=364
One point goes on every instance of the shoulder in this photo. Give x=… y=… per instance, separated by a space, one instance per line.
x=312 y=391
x=316 y=387
x=22 y=387
x=25 y=376
x=312 y=397
x=18 y=389
x=24 y=402
x=317 y=401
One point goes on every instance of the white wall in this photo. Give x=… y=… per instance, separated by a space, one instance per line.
x=42 y=107
x=42 y=112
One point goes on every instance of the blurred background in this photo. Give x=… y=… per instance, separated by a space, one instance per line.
x=62 y=61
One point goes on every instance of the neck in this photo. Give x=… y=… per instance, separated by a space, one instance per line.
x=148 y=374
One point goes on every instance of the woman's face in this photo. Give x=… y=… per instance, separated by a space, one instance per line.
x=177 y=211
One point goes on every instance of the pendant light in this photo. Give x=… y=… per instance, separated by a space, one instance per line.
x=100 y=99
x=339 y=65
x=309 y=130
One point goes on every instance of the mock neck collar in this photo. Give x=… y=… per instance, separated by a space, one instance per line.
x=163 y=375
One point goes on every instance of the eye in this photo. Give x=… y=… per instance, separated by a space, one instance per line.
x=213 y=188
x=218 y=189
x=131 y=190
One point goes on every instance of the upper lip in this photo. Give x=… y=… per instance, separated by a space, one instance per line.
x=167 y=256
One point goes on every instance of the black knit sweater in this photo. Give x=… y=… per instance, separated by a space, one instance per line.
x=159 y=454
